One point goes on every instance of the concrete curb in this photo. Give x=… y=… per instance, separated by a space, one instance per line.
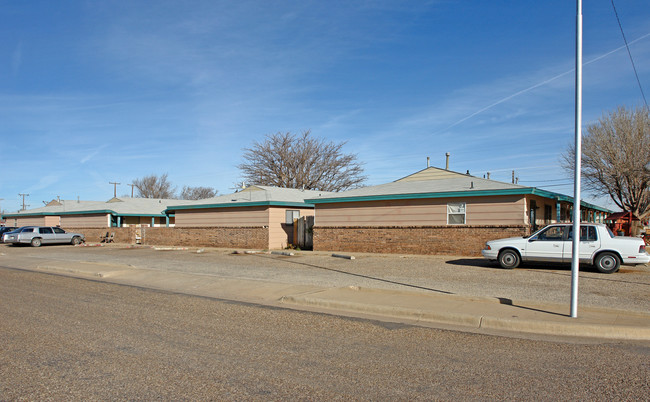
x=549 y=323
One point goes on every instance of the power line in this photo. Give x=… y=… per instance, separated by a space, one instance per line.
x=630 y=54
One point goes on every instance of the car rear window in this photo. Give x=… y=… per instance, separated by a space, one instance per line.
x=45 y=230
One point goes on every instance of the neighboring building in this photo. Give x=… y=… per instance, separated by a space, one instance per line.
x=116 y=212
x=436 y=211
x=256 y=217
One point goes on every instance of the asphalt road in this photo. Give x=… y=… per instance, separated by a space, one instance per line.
x=73 y=339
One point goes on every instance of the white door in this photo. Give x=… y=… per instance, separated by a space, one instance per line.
x=589 y=243
x=547 y=245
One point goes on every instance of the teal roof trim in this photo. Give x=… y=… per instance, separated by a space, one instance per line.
x=95 y=212
x=451 y=194
x=240 y=204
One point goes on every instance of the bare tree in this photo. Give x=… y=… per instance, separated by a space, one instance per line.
x=154 y=186
x=615 y=152
x=197 y=193
x=301 y=161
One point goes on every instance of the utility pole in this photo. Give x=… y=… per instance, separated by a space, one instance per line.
x=575 y=261
x=132 y=185
x=114 y=188
x=24 y=195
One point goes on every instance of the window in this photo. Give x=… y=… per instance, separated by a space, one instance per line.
x=291 y=215
x=587 y=233
x=554 y=233
x=59 y=230
x=548 y=214
x=456 y=213
x=45 y=230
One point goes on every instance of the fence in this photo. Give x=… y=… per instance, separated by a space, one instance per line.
x=303 y=234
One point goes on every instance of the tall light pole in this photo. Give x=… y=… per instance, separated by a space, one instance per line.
x=575 y=260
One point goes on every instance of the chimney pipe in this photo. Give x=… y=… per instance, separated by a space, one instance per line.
x=488 y=175
x=428 y=162
x=447 y=163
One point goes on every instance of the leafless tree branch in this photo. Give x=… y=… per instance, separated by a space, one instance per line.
x=301 y=161
x=615 y=152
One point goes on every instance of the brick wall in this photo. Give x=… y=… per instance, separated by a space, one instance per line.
x=94 y=235
x=450 y=240
x=240 y=237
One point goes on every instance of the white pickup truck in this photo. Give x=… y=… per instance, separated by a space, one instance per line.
x=554 y=243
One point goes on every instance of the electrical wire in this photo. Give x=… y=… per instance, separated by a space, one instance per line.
x=630 y=54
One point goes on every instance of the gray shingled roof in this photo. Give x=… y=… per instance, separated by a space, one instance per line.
x=256 y=195
x=118 y=206
x=461 y=183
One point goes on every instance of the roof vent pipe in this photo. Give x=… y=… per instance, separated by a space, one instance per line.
x=488 y=175
x=428 y=162
x=447 y=163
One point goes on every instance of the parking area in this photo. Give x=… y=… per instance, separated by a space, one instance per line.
x=626 y=290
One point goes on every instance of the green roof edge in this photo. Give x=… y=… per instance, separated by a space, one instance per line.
x=102 y=211
x=475 y=193
x=240 y=204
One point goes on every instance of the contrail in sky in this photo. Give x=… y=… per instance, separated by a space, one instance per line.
x=507 y=98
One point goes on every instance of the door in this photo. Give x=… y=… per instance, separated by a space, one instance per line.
x=547 y=245
x=47 y=235
x=61 y=236
x=589 y=243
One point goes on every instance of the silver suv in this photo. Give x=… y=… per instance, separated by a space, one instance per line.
x=38 y=235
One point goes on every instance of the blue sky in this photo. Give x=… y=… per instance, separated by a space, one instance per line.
x=95 y=92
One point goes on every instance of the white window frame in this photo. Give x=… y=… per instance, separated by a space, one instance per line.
x=455 y=209
x=290 y=215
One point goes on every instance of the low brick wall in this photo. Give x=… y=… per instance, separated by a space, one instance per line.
x=240 y=237
x=450 y=240
x=94 y=235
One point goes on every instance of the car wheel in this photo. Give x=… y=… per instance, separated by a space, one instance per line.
x=607 y=263
x=36 y=242
x=75 y=240
x=509 y=259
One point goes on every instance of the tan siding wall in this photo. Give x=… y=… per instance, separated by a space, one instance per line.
x=506 y=210
x=280 y=234
x=223 y=217
x=87 y=221
x=52 y=221
x=26 y=221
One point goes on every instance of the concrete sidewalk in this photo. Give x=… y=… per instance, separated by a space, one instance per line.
x=480 y=315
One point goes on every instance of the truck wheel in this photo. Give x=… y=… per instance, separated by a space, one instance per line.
x=607 y=263
x=36 y=242
x=509 y=259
